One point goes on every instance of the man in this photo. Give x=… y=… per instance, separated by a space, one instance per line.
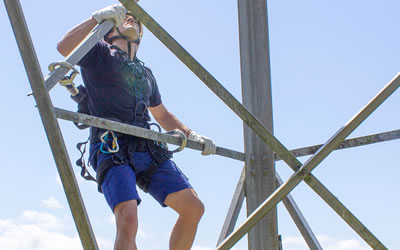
x=120 y=88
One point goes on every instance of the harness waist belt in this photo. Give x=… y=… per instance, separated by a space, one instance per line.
x=134 y=144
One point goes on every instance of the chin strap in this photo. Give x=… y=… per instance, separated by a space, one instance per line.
x=129 y=41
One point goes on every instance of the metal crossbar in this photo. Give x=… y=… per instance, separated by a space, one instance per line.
x=229 y=153
x=350 y=143
x=140 y=132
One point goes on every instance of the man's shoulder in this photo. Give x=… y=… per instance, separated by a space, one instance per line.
x=147 y=69
x=95 y=56
x=149 y=74
x=103 y=43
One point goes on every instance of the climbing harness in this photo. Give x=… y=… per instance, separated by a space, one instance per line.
x=81 y=161
x=158 y=150
x=131 y=144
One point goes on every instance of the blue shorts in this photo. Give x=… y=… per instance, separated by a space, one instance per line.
x=119 y=183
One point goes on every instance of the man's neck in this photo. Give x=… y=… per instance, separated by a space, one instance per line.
x=123 y=45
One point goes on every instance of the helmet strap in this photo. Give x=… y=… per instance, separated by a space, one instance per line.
x=129 y=41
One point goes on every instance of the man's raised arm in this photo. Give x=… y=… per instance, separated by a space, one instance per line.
x=73 y=37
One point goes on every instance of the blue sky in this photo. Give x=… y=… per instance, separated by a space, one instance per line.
x=328 y=60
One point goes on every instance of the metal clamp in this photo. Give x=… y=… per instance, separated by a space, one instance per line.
x=183 y=139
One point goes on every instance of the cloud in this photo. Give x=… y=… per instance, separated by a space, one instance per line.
x=41 y=231
x=37 y=234
x=331 y=243
x=327 y=242
x=52 y=203
x=42 y=220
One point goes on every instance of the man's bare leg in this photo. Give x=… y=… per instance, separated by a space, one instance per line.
x=127 y=225
x=190 y=210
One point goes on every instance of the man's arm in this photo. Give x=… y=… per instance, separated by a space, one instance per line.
x=167 y=120
x=75 y=36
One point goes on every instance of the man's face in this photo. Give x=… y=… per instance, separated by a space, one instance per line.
x=130 y=27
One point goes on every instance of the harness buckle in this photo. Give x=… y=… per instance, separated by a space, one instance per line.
x=143 y=182
x=117 y=160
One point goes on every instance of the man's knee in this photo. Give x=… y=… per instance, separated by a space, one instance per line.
x=198 y=211
x=193 y=210
x=186 y=204
x=126 y=215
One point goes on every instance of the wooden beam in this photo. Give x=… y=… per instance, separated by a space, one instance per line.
x=299 y=219
x=234 y=209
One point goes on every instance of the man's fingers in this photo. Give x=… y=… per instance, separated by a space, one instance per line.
x=116 y=12
x=209 y=147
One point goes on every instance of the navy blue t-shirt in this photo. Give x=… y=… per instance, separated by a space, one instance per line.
x=114 y=88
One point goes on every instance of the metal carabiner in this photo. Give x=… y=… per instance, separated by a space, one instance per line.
x=67 y=65
x=103 y=139
x=183 y=139
x=66 y=81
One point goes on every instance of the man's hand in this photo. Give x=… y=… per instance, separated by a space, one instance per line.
x=209 y=145
x=116 y=12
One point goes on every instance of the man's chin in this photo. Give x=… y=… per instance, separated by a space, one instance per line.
x=131 y=33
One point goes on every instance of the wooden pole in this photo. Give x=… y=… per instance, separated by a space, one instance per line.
x=257 y=98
